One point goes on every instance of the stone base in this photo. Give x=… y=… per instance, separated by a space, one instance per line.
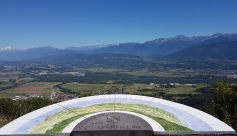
x=113 y=133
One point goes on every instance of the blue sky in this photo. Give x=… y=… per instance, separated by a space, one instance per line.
x=63 y=23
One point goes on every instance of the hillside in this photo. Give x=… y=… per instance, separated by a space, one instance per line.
x=221 y=50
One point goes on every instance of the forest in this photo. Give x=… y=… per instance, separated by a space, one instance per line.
x=10 y=110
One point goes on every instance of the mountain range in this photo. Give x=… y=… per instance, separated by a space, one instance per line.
x=166 y=48
x=165 y=45
x=220 y=50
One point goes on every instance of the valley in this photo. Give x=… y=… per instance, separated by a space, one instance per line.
x=185 y=70
x=180 y=69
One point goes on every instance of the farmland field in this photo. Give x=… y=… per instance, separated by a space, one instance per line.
x=132 y=88
x=35 y=87
x=76 y=87
x=182 y=89
x=187 y=89
x=103 y=70
x=27 y=79
x=98 y=69
x=7 y=85
x=30 y=88
x=6 y=78
x=164 y=73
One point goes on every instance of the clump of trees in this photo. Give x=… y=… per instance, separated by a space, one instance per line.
x=225 y=102
x=15 y=85
x=65 y=90
x=202 y=101
x=85 y=95
x=10 y=110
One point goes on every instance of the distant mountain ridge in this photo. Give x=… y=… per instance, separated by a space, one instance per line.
x=220 y=50
x=164 y=46
x=26 y=54
x=89 y=48
x=185 y=38
x=159 y=46
x=216 y=39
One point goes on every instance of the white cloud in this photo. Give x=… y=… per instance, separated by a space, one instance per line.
x=6 y=48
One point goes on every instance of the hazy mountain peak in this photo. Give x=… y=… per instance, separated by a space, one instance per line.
x=193 y=39
x=89 y=48
x=6 y=48
x=46 y=47
x=181 y=37
x=49 y=48
x=217 y=34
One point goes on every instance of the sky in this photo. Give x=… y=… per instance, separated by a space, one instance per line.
x=63 y=23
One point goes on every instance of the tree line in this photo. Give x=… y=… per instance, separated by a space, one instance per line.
x=15 y=85
x=10 y=110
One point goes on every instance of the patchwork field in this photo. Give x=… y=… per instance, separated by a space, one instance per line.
x=47 y=87
x=98 y=69
x=7 y=84
x=132 y=88
x=182 y=89
x=55 y=123
x=164 y=73
x=35 y=87
x=77 y=87
x=27 y=79
x=103 y=70
x=186 y=89
x=31 y=88
x=6 y=78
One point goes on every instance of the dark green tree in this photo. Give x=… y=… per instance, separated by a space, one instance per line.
x=225 y=102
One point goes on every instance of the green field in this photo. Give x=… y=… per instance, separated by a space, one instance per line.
x=186 y=89
x=164 y=73
x=7 y=84
x=55 y=89
x=27 y=79
x=7 y=93
x=91 y=87
x=132 y=88
x=55 y=123
x=178 y=90
x=32 y=88
x=46 y=88
x=6 y=78
x=97 y=69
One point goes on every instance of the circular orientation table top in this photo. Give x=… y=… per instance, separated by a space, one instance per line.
x=162 y=115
